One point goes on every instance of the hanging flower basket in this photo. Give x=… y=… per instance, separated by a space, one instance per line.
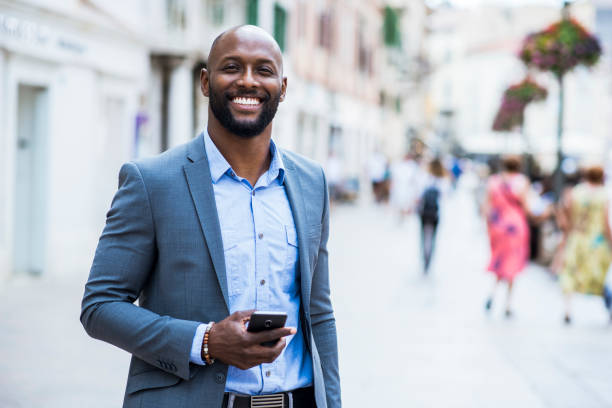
x=560 y=47
x=511 y=113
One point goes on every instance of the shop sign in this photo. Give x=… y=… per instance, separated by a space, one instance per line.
x=32 y=33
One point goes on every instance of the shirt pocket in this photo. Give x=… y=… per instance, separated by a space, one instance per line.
x=233 y=259
x=287 y=276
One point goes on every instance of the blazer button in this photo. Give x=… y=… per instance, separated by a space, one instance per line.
x=219 y=378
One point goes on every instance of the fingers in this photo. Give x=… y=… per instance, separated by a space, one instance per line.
x=267 y=354
x=241 y=315
x=258 y=354
x=270 y=335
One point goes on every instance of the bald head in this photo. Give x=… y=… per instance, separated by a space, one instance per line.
x=246 y=35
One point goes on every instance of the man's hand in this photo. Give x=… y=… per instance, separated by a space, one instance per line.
x=231 y=343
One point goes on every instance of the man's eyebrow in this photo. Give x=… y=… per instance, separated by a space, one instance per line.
x=239 y=58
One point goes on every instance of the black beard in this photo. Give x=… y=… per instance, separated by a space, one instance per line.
x=219 y=105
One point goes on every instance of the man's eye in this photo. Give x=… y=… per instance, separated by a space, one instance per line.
x=266 y=70
x=230 y=68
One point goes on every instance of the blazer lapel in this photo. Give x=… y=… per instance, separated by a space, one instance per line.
x=199 y=180
x=296 y=201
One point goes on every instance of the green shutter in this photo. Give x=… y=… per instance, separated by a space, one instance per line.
x=217 y=11
x=280 y=24
x=391 y=29
x=252 y=11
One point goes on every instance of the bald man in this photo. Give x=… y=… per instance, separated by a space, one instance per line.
x=208 y=232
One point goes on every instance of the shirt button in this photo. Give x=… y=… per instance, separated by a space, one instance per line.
x=260 y=236
x=262 y=282
x=253 y=192
x=268 y=373
x=219 y=378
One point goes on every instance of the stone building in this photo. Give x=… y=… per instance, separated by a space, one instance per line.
x=86 y=85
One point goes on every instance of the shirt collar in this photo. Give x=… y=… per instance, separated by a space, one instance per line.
x=217 y=163
x=277 y=167
x=219 y=166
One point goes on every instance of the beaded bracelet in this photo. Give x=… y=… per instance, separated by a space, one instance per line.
x=205 y=354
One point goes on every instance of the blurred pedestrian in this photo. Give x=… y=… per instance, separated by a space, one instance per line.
x=587 y=254
x=571 y=180
x=405 y=176
x=506 y=211
x=334 y=170
x=378 y=169
x=456 y=171
x=435 y=185
x=541 y=208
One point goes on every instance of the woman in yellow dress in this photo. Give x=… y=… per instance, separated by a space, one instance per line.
x=588 y=246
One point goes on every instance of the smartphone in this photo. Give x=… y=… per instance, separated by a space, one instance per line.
x=261 y=321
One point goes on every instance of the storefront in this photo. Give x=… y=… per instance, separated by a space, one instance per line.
x=69 y=96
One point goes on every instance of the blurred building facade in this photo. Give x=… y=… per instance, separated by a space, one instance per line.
x=70 y=76
x=474 y=57
x=86 y=85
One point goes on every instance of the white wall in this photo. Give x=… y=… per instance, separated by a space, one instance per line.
x=4 y=170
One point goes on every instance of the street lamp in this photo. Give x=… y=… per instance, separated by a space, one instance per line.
x=558 y=177
x=559 y=49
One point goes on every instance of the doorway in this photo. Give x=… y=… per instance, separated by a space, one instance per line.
x=30 y=206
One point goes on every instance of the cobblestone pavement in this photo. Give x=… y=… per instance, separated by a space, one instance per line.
x=406 y=340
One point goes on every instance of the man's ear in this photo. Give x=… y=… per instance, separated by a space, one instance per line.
x=283 y=89
x=204 y=82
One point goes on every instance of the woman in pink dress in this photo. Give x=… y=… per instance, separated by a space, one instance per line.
x=506 y=212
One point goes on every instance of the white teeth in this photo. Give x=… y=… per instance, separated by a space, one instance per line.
x=246 y=101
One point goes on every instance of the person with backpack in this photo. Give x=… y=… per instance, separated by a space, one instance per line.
x=435 y=184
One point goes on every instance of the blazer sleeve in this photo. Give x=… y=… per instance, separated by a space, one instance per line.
x=322 y=314
x=123 y=262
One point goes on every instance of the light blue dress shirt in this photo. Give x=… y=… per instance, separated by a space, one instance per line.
x=261 y=253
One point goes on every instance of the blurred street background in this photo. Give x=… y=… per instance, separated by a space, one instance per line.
x=436 y=122
x=405 y=339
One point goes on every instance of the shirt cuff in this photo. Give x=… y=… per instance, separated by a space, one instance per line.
x=196 y=345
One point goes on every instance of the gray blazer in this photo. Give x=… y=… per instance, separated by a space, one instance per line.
x=162 y=246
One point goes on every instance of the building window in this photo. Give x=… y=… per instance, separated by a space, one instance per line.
x=176 y=10
x=252 y=11
x=301 y=19
x=363 y=53
x=391 y=28
x=280 y=25
x=325 y=30
x=216 y=11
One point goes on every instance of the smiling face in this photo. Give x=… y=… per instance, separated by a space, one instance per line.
x=244 y=80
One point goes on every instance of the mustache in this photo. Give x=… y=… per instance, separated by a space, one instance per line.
x=247 y=93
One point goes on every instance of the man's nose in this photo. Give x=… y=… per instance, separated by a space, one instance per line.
x=247 y=79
